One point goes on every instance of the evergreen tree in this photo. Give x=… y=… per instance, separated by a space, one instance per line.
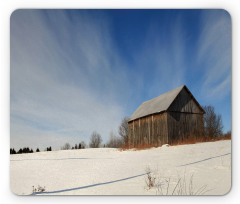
x=13 y=151
x=82 y=145
x=20 y=151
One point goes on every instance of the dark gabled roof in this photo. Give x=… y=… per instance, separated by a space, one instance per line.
x=159 y=104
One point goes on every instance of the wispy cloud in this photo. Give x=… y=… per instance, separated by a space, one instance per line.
x=61 y=66
x=215 y=53
x=69 y=77
x=161 y=58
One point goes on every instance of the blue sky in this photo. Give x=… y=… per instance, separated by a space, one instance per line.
x=78 y=71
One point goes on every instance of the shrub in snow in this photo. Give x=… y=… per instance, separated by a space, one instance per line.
x=38 y=189
x=150 y=179
x=173 y=186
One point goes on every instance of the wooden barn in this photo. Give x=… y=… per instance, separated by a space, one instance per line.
x=169 y=118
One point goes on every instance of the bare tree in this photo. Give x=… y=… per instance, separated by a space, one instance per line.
x=114 y=141
x=212 y=123
x=95 y=140
x=66 y=146
x=123 y=129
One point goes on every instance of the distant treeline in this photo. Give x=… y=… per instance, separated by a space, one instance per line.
x=115 y=141
x=67 y=146
x=27 y=150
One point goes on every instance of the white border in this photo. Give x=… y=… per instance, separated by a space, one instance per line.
x=7 y=7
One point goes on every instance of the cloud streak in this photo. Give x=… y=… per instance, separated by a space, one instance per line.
x=69 y=77
x=161 y=58
x=215 y=53
x=57 y=75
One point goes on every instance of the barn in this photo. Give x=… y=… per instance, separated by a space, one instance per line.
x=167 y=119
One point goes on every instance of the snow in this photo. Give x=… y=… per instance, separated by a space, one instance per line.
x=165 y=145
x=109 y=171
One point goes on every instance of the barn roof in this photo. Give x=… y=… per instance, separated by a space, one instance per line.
x=159 y=104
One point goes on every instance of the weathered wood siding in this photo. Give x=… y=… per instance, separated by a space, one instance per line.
x=182 y=126
x=184 y=103
x=149 y=130
x=183 y=119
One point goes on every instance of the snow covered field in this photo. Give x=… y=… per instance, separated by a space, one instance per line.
x=107 y=171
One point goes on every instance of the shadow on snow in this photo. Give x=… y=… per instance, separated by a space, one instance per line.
x=89 y=186
x=204 y=160
x=119 y=180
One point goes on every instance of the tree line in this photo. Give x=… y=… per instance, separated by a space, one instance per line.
x=26 y=150
x=115 y=141
x=67 y=146
x=213 y=128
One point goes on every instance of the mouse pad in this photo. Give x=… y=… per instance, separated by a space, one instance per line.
x=120 y=102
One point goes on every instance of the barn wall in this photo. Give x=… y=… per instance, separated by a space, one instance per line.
x=148 y=130
x=184 y=125
x=183 y=119
x=184 y=103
